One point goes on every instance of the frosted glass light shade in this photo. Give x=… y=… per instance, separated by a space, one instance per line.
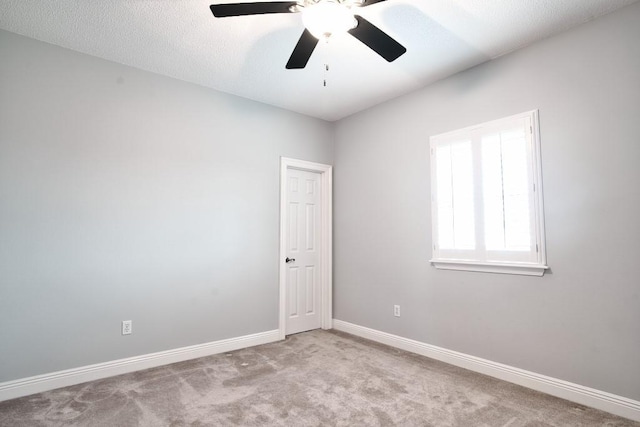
x=326 y=18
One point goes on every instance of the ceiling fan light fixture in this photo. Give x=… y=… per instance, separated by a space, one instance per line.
x=322 y=19
x=328 y=17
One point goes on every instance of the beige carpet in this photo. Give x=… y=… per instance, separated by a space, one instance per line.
x=310 y=379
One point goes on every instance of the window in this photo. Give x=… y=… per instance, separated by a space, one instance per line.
x=486 y=198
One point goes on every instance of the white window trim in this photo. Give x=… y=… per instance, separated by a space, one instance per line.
x=529 y=269
x=490 y=267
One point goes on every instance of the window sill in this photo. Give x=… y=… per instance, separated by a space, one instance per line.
x=490 y=267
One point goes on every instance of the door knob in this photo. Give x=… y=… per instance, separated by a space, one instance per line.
x=289 y=259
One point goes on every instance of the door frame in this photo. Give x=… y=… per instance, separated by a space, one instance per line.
x=326 y=248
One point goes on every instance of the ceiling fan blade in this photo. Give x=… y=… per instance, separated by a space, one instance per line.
x=239 y=9
x=303 y=50
x=379 y=41
x=370 y=2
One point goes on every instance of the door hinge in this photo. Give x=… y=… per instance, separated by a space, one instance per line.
x=536 y=247
x=531 y=129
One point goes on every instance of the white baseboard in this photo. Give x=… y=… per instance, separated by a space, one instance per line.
x=602 y=400
x=40 y=383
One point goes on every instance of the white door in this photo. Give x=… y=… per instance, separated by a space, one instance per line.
x=303 y=255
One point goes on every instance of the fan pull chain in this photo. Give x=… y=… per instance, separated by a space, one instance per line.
x=325 y=54
x=326 y=69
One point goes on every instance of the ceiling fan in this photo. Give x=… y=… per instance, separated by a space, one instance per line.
x=321 y=19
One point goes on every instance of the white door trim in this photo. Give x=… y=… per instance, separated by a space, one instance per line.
x=326 y=271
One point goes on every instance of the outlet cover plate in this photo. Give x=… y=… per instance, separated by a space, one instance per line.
x=127 y=327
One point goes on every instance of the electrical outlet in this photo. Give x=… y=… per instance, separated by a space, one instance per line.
x=127 y=327
x=396 y=310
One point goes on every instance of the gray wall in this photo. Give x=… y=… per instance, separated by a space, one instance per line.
x=127 y=195
x=581 y=322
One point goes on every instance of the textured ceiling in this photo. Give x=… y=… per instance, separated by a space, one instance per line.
x=246 y=55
